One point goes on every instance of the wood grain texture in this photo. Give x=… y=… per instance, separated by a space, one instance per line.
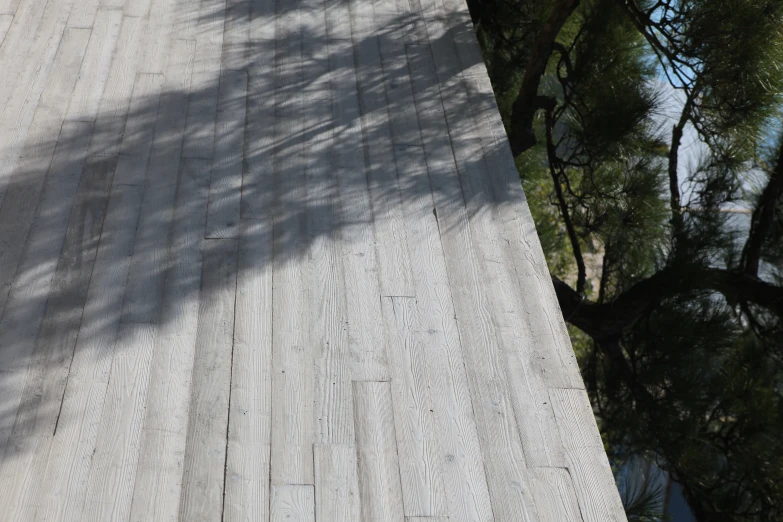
x=379 y=471
x=292 y=503
x=258 y=178
x=96 y=65
x=418 y=447
x=114 y=461
x=32 y=167
x=83 y=14
x=336 y=483
x=372 y=335
x=392 y=249
x=164 y=434
x=554 y=495
x=9 y=7
x=472 y=296
x=5 y=24
x=249 y=429
x=226 y=187
x=460 y=455
x=366 y=339
x=82 y=403
x=584 y=450
x=143 y=297
x=25 y=456
x=205 y=451
x=36 y=62
x=115 y=99
x=292 y=355
x=328 y=315
x=202 y=104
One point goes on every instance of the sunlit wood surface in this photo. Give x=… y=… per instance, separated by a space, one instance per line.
x=271 y=261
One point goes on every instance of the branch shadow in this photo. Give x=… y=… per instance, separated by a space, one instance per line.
x=93 y=242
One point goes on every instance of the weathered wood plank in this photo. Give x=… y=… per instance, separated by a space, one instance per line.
x=83 y=14
x=95 y=66
x=258 y=178
x=328 y=308
x=158 y=484
x=158 y=37
x=31 y=169
x=226 y=187
x=336 y=483
x=28 y=16
x=9 y=7
x=5 y=24
x=461 y=461
x=472 y=295
x=25 y=456
x=36 y=61
x=379 y=470
x=249 y=429
x=592 y=477
x=415 y=424
x=205 y=451
x=366 y=340
x=292 y=355
x=82 y=403
x=142 y=112
x=202 y=105
x=113 y=108
x=236 y=36
x=554 y=495
x=292 y=503
x=392 y=249
x=144 y=294
x=114 y=461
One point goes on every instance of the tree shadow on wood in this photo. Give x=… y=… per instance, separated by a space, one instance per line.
x=97 y=241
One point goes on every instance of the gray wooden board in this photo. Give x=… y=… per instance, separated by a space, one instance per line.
x=116 y=454
x=205 y=450
x=292 y=503
x=366 y=340
x=226 y=187
x=36 y=62
x=54 y=345
x=380 y=489
x=85 y=390
x=292 y=355
x=145 y=282
x=33 y=167
x=249 y=444
x=592 y=477
x=96 y=65
x=115 y=99
x=157 y=488
x=418 y=446
x=373 y=335
x=485 y=361
x=336 y=483
x=202 y=104
x=392 y=251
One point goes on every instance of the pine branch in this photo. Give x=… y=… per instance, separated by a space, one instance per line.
x=527 y=103
x=569 y=224
x=607 y=321
x=674 y=151
x=763 y=218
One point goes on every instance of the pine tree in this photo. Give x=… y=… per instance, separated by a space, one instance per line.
x=667 y=262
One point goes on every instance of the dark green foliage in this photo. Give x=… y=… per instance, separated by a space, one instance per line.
x=667 y=255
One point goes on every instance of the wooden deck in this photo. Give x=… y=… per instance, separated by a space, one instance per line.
x=271 y=261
